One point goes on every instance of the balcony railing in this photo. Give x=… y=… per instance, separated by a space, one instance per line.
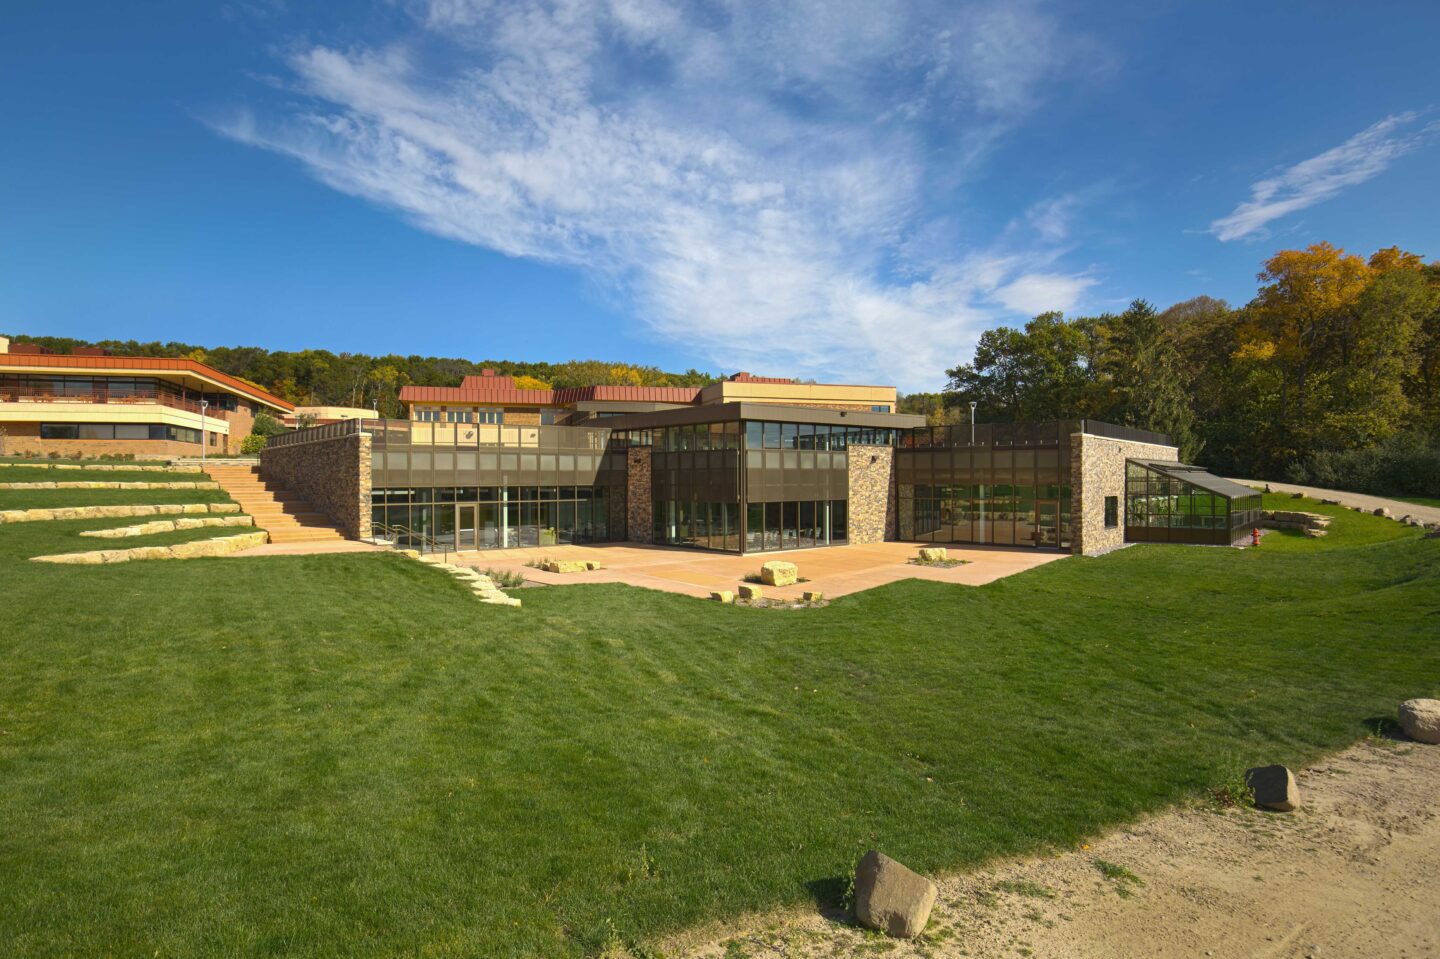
x=137 y=397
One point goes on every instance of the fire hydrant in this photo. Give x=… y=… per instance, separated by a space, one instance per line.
x=1255 y=537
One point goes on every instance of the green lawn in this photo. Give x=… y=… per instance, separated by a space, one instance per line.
x=348 y=756
x=47 y=498
x=40 y=474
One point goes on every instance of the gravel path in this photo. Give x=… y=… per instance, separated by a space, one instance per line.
x=1426 y=514
x=1352 y=873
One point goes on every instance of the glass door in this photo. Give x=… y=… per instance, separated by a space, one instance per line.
x=1047 y=522
x=465 y=527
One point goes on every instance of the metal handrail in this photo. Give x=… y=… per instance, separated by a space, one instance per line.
x=315 y=434
x=136 y=397
x=425 y=539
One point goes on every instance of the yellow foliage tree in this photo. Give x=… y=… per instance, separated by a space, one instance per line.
x=530 y=383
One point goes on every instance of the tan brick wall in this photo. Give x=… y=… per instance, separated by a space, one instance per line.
x=16 y=443
x=333 y=474
x=1097 y=465
x=522 y=418
x=640 y=505
x=871 y=510
x=241 y=421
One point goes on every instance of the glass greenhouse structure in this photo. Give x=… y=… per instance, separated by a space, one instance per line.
x=1176 y=503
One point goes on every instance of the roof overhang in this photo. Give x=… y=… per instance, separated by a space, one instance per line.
x=1199 y=476
x=731 y=412
x=163 y=366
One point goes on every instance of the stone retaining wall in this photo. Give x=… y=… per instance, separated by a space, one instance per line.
x=332 y=473
x=169 y=525
x=101 y=467
x=113 y=484
x=110 y=512
x=220 y=546
x=871 y=511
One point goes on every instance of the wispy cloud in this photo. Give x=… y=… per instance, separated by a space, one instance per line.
x=757 y=182
x=1362 y=157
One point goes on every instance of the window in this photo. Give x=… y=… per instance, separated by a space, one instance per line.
x=457 y=416
x=490 y=417
x=547 y=417
x=1112 y=512
x=427 y=416
x=880 y=409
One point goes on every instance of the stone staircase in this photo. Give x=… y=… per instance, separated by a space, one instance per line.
x=287 y=515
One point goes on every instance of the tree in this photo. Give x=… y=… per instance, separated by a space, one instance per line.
x=1140 y=368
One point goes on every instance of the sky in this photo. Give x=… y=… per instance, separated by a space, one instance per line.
x=849 y=191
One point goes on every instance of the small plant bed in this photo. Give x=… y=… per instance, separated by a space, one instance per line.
x=506 y=578
x=937 y=563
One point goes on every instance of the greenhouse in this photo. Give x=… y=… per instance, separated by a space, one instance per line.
x=1176 y=503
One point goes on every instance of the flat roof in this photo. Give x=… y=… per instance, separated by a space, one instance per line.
x=730 y=412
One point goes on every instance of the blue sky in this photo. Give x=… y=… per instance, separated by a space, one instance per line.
x=844 y=190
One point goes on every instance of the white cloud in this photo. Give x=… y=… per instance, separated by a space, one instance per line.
x=1365 y=155
x=1038 y=292
x=752 y=180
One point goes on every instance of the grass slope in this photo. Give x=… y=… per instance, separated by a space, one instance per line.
x=347 y=756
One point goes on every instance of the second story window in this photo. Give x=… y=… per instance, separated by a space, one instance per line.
x=457 y=416
x=491 y=417
x=427 y=416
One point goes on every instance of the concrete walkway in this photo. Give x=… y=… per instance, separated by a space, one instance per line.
x=1426 y=514
x=834 y=571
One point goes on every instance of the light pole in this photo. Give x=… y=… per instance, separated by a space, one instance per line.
x=973 y=404
x=204 y=405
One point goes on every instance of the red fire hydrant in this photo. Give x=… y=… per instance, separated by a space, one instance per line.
x=1254 y=537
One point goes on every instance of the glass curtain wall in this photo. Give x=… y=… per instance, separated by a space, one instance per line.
x=461 y=518
x=1005 y=497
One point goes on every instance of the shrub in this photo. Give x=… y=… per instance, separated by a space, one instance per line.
x=252 y=444
x=266 y=425
x=1408 y=464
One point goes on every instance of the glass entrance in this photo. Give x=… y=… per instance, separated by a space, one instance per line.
x=465 y=527
x=1047 y=522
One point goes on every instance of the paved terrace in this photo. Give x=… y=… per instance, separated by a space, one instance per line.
x=834 y=571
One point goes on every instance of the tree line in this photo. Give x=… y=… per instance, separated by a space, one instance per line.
x=323 y=378
x=1330 y=375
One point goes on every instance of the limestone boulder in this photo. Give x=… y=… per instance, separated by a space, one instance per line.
x=891 y=898
x=593 y=564
x=779 y=573
x=564 y=566
x=1313 y=532
x=1420 y=720
x=723 y=596
x=1383 y=511
x=1274 y=787
x=751 y=591
x=812 y=596
x=932 y=554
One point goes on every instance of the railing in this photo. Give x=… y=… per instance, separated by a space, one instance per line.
x=1114 y=432
x=392 y=534
x=1039 y=434
x=316 y=434
x=137 y=397
x=401 y=434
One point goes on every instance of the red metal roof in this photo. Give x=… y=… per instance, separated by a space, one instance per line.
x=464 y=396
x=144 y=364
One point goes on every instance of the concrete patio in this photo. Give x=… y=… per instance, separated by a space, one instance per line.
x=835 y=571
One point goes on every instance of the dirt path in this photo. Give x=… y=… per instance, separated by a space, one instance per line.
x=1354 y=872
x=1426 y=514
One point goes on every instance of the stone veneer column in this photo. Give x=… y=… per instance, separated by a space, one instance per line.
x=1097 y=470
x=871 y=510
x=333 y=475
x=639 y=504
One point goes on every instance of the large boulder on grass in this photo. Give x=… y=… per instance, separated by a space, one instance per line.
x=779 y=573
x=1274 y=787
x=1420 y=720
x=892 y=898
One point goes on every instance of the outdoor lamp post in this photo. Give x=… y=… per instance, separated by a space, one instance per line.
x=204 y=405
x=973 y=404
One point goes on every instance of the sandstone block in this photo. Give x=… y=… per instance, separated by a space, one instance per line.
x=812 y=596
x=891 y=898
x=564 y=566
x=593 y=564
x=1313 y=532
x=723 y=596
x=751 y=591
x=1274 y=787
x=1383 y=511
x=1420 y=719
x=779 y=573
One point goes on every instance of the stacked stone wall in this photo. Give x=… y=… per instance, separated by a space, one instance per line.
x=871 y=511
x=333 y=474
x=1097 y=468
x=639 y=503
